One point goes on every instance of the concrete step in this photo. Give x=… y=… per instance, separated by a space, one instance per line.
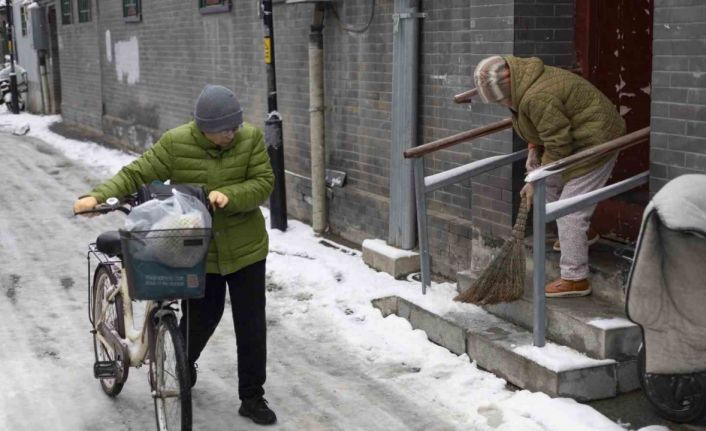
x=589 y=324
x=607 y=271
x=595 y=325
x=506 y=350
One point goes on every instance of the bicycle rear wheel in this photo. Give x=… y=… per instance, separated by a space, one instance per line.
x=112 y=312
x=172 y=388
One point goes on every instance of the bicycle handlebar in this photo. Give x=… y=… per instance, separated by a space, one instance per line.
x=112 y=204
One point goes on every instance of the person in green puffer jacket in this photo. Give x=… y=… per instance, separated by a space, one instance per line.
x=558 y=114
x=228 y=158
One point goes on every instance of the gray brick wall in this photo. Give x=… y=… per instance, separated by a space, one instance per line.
x=358 y=92
x=179 y=51
x=678 y=139
x=80 y=71
x=545 y=29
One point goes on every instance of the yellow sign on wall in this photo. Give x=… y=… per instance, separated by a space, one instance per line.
x=268 y=50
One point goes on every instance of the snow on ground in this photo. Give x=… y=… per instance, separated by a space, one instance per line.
x=322 y=295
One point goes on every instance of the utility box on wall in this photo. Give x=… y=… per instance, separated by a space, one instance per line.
x=38 y=23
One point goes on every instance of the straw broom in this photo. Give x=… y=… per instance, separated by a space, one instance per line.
x=504 y=279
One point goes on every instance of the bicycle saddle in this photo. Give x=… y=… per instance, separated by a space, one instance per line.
x=109 y=243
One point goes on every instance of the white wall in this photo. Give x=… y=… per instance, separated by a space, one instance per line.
x=28 y=59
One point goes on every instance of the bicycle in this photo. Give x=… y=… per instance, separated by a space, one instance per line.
x=118 y=345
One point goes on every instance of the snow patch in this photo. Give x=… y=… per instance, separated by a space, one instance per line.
x=647 y=90
x=559 y=358
x=102 y=161
x=612 y=323
x=624 y=110
x=654 y=428
x=379 y=246
x=127 y=60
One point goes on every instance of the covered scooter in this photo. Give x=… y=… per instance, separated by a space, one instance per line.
x=666 y=296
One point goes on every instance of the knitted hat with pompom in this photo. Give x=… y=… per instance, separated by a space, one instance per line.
x=492 y=79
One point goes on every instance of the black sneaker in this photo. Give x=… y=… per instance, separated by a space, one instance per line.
x=257 y=410
x=193 y=373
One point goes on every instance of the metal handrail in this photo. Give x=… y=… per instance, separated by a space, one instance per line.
x=466 y=96
x=592 y=153
x=544 y=213
x=452 y=140
x=424 y=185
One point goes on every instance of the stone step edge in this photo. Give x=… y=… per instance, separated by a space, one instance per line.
x=614 y=342
x=485 y=347
x=590 y=334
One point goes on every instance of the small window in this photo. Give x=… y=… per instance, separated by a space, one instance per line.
x=84 y=10
x=23 y=20
x=214 y=6
x=131 y=11
x=66 y=12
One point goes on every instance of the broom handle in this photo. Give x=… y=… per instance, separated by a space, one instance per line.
x=518 y=231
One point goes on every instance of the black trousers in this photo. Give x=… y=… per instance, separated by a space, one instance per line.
x=247 y=296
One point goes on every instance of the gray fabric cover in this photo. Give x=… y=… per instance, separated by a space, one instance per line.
x=666 y=289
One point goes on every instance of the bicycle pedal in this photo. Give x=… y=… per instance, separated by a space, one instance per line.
x=105 y=369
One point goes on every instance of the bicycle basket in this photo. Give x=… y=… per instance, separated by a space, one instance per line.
x=165 y=264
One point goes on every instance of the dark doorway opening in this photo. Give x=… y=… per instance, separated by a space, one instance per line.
x=614 y=51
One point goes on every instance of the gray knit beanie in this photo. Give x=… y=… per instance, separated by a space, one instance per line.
x=217 y=110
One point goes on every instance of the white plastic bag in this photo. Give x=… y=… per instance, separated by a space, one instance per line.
x=164 y=225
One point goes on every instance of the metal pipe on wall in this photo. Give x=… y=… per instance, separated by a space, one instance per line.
x=319 y=219
x=405 y=64
x=273 y=125
x=44 y=83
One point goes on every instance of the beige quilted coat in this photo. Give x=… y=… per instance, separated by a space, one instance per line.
x=560 y=111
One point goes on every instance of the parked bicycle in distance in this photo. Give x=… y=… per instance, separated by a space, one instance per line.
x=124 y=274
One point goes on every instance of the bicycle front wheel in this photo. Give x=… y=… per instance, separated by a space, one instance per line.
x=171 y=385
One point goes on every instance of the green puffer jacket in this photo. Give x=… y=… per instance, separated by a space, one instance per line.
x=560 y=111
x=242 y=172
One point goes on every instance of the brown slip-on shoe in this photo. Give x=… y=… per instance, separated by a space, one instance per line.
x=592 y=235
x=561 y=288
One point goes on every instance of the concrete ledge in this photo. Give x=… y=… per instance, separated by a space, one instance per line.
x=628 y=380
x=577 y=323
x=492 y=343
x=394 y=261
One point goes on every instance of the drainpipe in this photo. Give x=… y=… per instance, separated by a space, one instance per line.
x=316 y=121
x=44 y=83
x=405 y=56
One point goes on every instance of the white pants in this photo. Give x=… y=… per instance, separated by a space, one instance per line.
x=573 y=227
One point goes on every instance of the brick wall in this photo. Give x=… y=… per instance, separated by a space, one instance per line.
x=80 y=70
x=153 y=70
x=678 y=139
x=545 y=29
x=358 y=94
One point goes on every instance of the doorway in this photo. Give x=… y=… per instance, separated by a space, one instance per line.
x=53 y=61
x=614 y=52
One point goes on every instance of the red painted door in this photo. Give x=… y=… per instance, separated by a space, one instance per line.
x=614 y=51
